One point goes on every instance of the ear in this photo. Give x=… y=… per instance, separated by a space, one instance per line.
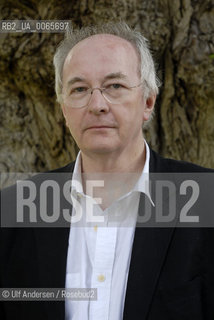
x=149 y=106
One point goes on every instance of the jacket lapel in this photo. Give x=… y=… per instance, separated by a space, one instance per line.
x=148 y=254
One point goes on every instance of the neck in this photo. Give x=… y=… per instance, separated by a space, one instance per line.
x=132 y=160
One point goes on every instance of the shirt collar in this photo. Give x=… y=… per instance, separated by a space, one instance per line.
x=76 y=182
x=143 y=184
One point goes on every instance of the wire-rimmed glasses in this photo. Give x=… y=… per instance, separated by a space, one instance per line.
x=79 y=96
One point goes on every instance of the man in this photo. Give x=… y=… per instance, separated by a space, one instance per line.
x=106 y=85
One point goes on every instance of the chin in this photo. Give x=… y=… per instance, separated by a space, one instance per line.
x=100 y=145
x=100 y=148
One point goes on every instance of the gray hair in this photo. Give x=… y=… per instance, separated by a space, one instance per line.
x=120 y=29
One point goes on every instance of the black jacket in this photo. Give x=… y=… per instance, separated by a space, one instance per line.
x=171 y=274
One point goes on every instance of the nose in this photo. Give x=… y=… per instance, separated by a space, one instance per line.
x=97 y=103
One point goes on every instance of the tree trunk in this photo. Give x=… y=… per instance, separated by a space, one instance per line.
x=181 y=32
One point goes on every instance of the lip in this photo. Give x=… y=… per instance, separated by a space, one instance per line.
x=99 y=127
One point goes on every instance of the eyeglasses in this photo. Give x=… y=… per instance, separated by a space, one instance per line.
x=114 y=93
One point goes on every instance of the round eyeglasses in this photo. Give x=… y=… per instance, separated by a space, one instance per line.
x=80 y=96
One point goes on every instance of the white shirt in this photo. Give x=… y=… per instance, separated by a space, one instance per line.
x=99 y=253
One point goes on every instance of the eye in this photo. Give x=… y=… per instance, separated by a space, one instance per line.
x=78 y=90
x=116 y=86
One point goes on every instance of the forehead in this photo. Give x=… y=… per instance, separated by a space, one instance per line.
x=100 y=54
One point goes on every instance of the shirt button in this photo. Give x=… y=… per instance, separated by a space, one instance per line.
x=79 y=195
x=101 y=278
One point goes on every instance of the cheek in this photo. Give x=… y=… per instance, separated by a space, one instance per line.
x=72 y=120
x=133 y=112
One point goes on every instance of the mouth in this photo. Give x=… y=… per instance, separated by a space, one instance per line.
x=102 y=127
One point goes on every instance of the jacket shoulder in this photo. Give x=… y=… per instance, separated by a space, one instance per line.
x=67 y=168
x=161 y=164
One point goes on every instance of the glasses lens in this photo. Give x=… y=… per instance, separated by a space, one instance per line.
x=78 y=99
x=115 y=93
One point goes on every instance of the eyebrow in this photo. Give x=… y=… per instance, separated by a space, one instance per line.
x=113 y=75
x=74 y=80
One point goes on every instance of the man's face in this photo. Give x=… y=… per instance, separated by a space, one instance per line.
x=103 y=127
